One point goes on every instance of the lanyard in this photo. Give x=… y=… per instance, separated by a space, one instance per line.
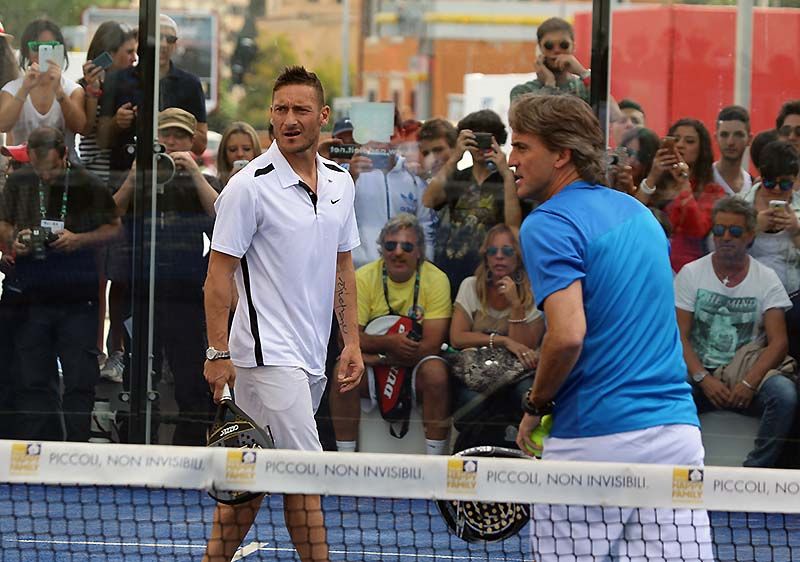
x=413 y=314
x=43 y=205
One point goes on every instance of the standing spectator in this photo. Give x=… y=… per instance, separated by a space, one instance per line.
x=557 y=69
x=43 y=97
x=401 y=282
x=788 y=123
x=631 y=115
x=761 y=140
x=777 y=240
x=239 y=143
x=185 y=214
x=681 y=182
x=437 y=139
x=472 y=200
x=731 y=315
x=53 y=216
x=120 y=43
x=733 y=137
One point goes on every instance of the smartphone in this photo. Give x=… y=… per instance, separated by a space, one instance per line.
x=45 y=55
x=103 y=60
x=777 y=204
x=343 y=150
x=484 y=140
x=239 y=164
x=380 y=159
x=668 y=143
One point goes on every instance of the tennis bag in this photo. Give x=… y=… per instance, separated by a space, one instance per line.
x=393 y=388
x=233 y=428
x=475 y=521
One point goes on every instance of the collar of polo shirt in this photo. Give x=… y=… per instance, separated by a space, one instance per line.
x=286 y=174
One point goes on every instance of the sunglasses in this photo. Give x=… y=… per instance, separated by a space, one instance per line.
x=787 y=130
x=391 y=246
x=171 y=39
x=735 y=230
x=508 y=251
x=785 y=184
x=34 y=45
x=548 y=45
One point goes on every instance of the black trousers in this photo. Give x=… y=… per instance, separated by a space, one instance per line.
x=11 y=315
x=48 y=333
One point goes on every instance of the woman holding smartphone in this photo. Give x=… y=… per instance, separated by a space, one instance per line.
x=238 y=146
x=113 y=47
x=42 y=97
x=681 y=183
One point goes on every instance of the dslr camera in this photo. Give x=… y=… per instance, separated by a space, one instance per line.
x=37 y=241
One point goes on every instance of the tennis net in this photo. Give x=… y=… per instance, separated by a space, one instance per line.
x=68 y=501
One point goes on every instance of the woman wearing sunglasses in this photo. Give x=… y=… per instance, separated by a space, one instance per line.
x=777 y=242
x=495 y=309
x=42 y=97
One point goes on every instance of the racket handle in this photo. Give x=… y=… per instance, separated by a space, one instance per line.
x=226 y=393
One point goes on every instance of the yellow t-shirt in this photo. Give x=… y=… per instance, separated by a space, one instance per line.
x=433 y=301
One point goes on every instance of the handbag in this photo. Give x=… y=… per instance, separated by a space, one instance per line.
x=485 y=368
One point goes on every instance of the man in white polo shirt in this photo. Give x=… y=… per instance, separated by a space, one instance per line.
x=285 y=228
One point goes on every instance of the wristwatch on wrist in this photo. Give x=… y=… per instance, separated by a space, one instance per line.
x=645 y=188
x=530 y=408
x=698 y=377
x=381 y=359
x=214 y=354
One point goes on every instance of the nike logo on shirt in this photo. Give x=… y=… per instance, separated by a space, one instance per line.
x=334 y=202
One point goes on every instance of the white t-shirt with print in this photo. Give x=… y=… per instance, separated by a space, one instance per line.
x=726 y=318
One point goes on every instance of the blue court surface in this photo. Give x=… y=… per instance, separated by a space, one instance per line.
x=50 y=523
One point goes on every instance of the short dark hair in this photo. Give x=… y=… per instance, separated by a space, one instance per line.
x=630 y=104
x=298 y=75
x=552 y=25
x=702 y=170
x=734 y=113
x=779 y=158
x=32 y=31
x=433 y=129
x=761 y=140
x=485 y=121
x=791 y=107
x=44 y=139
x=736 y=206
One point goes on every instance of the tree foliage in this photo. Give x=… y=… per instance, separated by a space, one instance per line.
x=17 y=14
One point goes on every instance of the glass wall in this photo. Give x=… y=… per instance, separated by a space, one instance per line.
x=104 y=330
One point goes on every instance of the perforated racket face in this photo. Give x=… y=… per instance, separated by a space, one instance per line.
x=485 y=521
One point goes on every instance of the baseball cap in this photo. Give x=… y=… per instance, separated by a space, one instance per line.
x=342 y=126
x=174 y=117
x=19 y=152
x=3 y=32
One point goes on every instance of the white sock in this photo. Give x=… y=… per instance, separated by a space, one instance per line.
x=346 y=446
x=436 y=447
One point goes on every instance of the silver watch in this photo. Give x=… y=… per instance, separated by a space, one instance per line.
x=698 y=377
x=214 y=354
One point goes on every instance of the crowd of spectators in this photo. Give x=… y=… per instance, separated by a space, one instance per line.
x=438 y=218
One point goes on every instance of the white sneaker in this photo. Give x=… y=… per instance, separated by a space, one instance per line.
x=113 y=368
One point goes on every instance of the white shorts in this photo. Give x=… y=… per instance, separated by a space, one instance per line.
x=370 y=403
x=285 y=399
x=562 y=533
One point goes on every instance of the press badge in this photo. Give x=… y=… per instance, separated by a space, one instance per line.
x=54 y=226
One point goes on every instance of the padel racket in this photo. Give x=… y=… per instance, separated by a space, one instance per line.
x=234 y=429
x=475 y=521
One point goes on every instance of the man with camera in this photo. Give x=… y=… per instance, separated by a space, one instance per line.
x=404 y=315
x=184 y=213
x=53 y=217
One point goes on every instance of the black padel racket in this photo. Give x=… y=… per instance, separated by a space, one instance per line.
x=234 y=429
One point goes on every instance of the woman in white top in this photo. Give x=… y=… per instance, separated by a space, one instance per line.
x=777 y=242
x=495 y=308
x=42 y=97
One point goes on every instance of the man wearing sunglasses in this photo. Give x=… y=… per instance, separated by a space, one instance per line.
x=788 y=123
x=731 y=314
x=557 y=69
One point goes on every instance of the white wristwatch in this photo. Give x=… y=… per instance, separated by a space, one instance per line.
x=698 y=377
x=646 y=189
x=214 y=354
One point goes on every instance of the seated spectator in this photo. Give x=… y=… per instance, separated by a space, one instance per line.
x=557 y=69
x=495 y=309
x=733 y=137
x=777 y=241
x=681 y=183
x=472 y=200
x=239 y=143
x=761 y=140
x=43 y=97
x=119 y=42
x=787 y=124
x=401 y=283
x=730 y=312
x=53 y=217
x=437 y=139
